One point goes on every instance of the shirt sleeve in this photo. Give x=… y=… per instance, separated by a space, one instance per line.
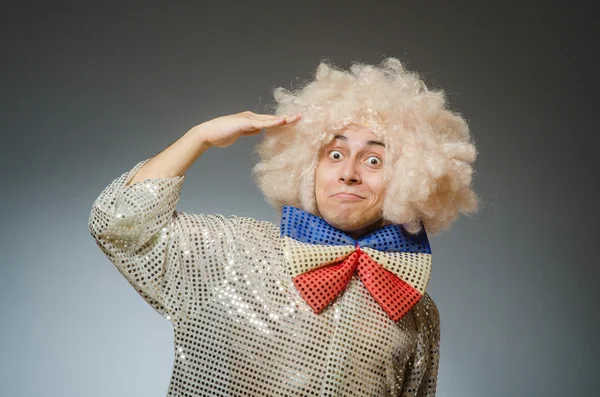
x=422 y=370
x=139 y=229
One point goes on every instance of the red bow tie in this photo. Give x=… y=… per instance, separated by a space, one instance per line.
x=393 y=265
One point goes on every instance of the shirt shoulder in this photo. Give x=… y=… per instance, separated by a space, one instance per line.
x=428 y=306
x=256 y=228
x=427 y=316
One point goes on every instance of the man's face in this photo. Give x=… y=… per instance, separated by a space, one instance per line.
x=349 y=183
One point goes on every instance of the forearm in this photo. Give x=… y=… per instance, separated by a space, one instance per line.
x=176 y=159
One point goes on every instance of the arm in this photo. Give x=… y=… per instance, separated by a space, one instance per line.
x=137 y=228
x=220 y=132
x=135 y=223
x=422 y=369
x=176 y=159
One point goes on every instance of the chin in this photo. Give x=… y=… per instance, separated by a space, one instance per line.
x=347 y=221
x=349 y=218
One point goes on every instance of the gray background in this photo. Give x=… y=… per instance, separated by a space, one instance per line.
x=90 y=89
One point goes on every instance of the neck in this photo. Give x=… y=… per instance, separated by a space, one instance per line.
x=366 y=230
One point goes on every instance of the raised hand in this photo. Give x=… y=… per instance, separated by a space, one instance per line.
x=225 y=130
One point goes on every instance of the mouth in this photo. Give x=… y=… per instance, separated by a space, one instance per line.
x=347 y=196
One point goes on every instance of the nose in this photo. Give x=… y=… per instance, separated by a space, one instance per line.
x=349 y=172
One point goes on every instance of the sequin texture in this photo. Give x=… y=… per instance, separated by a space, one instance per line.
x=241 y=326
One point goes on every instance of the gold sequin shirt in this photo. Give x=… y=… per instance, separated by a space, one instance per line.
x=241 y=328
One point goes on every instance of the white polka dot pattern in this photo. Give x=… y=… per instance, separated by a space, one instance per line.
x=303 y=257
x=241 y=328
x=414 y=268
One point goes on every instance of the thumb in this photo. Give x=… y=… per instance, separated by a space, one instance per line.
x=252 y=132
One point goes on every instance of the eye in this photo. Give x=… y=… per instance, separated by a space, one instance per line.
x=373 y=160
x=335 y=155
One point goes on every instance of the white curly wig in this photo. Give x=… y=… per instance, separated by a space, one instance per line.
x=428 y=148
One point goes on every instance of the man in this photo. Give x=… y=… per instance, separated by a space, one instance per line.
x=332 y=301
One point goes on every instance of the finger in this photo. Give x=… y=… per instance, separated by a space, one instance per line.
x=262 y=116
x=293 y=118
x=287 y=120
x=258 y=125
x=270 y=123
x=289 y=117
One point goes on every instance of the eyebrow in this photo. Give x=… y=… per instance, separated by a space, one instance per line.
x=344 y=138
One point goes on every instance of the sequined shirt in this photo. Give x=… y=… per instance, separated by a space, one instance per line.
x=240 y=326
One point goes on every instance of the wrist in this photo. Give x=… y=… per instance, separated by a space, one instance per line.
x=199 y=136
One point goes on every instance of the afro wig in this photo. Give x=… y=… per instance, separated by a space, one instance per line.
x=428 y=148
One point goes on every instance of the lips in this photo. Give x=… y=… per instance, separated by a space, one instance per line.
x=347 y=196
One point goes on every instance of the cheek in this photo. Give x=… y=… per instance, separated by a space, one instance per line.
x=378 y=187
x=322 y=178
